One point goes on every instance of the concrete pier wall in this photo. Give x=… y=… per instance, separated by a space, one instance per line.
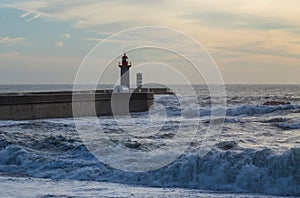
x=29 y=106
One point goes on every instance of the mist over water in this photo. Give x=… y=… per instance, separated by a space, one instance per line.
x=258 y=151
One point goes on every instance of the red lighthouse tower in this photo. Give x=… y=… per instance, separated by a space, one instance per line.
x=125 y=75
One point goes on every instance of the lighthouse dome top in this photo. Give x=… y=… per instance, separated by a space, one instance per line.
x=125 y=61
x=124 y=56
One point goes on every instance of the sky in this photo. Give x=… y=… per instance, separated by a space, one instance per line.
x=45 y=41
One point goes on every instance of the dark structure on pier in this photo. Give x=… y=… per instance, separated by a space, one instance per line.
x=125 y=74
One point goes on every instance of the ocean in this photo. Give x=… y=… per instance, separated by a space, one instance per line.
x=256 y=154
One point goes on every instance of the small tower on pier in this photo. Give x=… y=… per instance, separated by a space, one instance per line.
x=139 y=80
x=125 y=75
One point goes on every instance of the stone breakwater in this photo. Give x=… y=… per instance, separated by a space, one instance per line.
x=42 y=105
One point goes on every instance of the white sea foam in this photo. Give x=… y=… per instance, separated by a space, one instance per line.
x=255 y=171
x=249 y=109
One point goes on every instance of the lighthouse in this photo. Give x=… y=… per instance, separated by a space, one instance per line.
x=125 y=75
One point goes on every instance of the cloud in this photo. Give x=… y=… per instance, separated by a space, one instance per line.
x=3 y=40
x=31 y=15
x=235 y=21
x=7 y=41
x=91 y=14
x=95 y=15
x=93 y=39
x=59 y=44
x=26 y=14
x=34 y=17
x=10 y=54
x=65 y=36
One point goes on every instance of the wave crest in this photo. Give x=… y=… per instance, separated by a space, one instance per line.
x=237 y=170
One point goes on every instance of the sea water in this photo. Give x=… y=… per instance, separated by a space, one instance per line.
x=256 y=154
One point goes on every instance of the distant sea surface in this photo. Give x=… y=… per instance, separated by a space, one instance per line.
x=256 y=155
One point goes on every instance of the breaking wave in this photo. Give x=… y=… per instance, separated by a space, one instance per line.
x=250 y=109
x=227 y=167
x=289 y=125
